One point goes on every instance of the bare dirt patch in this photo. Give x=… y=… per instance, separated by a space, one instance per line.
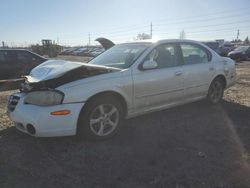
x=240 y=92
x=4 y=120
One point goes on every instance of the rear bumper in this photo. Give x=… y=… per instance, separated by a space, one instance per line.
x=45 y=124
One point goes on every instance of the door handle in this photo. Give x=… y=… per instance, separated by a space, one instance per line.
x=178 y=73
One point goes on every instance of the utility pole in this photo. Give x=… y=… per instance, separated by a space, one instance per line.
x=89 y=39
x=238 y=34
x=151 y=30
x=3 y=43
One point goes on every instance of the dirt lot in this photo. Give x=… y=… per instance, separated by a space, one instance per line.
x=195 y=145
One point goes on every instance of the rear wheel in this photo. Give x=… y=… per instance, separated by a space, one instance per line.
x=101 y=119
x=216 y=90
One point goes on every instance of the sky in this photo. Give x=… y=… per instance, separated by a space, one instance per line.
x=74 y=22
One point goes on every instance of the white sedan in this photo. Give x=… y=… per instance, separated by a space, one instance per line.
x=63 y=98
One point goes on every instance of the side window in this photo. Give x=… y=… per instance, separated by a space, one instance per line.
x=23 y=57
x=193 y=54
x=163 y=55
x=7 y=56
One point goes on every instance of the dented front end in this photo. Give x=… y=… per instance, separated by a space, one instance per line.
x=53 y=75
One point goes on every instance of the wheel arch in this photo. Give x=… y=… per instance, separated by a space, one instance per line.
x=118 y=96
x=81 y=129
x=222 y=77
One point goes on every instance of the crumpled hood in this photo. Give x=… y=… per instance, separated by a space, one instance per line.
x=54 y=73
x=51 y=69
x=55 y=68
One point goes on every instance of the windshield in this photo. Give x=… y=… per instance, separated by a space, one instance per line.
x=120 y=56
x=242 y=48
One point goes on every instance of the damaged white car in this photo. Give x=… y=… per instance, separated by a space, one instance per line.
x=61 y=98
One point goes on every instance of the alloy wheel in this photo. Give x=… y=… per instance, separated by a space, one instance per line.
x=216 y=92
x=104 y=119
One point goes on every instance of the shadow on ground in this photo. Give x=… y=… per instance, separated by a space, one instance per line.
x=195 y=145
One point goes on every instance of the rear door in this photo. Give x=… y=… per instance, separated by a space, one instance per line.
x=198 y=70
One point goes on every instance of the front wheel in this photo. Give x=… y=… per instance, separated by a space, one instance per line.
x=215 y=92
x=101 y=119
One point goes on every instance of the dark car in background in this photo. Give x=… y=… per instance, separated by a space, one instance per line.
x=214 y=46
x=15 y=62
x=240 y=53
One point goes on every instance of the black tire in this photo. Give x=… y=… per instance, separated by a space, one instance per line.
x=216 y=91
x=87 y=130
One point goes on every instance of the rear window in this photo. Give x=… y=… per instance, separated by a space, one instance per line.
x=23 y=56
x=193 y=54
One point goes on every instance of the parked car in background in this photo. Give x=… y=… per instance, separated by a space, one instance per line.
x=79 y=51
x=89 y=51
x=69 y=51
x=240 y=53
x=214 y=46
x=226 y=48
x=65 y=51
x=125 y=81
x=15 y=63
x=96 y=52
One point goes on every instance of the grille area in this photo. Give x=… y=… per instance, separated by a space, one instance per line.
x=13 y=100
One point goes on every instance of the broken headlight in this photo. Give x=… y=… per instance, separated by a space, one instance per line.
x=44 y=98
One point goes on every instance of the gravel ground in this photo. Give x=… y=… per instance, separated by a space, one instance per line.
x=195 y=145
x=4 y=120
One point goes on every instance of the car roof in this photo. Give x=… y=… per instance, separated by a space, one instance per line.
x=13 y=49
x=22 y=50
x=164 y=41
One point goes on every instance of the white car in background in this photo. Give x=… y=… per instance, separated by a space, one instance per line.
x=63 y=98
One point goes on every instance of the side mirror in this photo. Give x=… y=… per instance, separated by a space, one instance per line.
x=149 y=64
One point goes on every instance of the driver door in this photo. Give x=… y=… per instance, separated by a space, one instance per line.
x=160 y=86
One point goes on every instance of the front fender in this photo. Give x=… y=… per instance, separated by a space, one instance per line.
x=82 y=92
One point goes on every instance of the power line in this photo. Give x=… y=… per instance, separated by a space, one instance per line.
x=210 y=14
x=200 y=19
x=214 y=25
x=184 y=20
x=137 y=28
x=212 y=30
x=122 y=31
x=204 y=26
x=175 y=23
x=218 y=12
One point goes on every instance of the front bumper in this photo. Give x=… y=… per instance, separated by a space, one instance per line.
x=45 y=124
